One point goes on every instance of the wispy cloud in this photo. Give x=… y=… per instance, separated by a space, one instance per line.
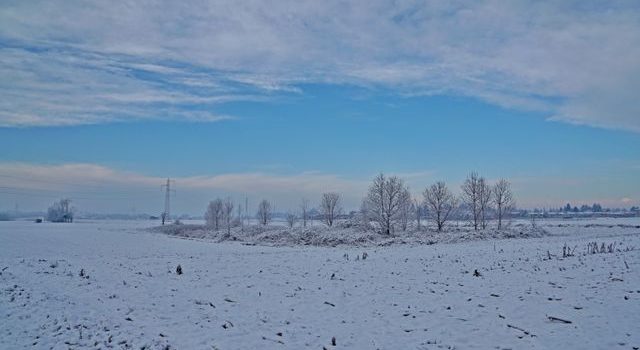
x=70 y=62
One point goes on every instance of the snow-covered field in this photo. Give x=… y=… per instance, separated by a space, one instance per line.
x=108 y=284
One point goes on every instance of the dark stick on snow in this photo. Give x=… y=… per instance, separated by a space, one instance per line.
x=556 y=319
x=516 y=327
x=521 y=330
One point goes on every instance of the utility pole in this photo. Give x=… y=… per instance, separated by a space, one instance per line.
x=167 y=198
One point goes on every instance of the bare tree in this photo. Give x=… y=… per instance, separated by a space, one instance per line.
x=264 y=212
x=239 y=220
x=364 y=216
x=406 y=209
x=304 y=207
x=292 y=218
x=503 y=199
x=484 y=199
x=384 y=201
x=227 y=214
x=471 y=197
x=440 y=202
x=213 y=216
x=246 y=210
x=417 y=207
x=330 y=207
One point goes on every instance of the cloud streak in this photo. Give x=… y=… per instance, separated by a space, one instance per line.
x=90 y=62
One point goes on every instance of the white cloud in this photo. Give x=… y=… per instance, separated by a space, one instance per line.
x=79 y=61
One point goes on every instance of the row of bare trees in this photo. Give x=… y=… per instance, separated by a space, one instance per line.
x=219 y=212
x=60 y=211
x=478 y=196
x=330 y=208
x=388 y=202
x=389 y=205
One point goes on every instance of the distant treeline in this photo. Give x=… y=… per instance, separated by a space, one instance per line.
x=568 y=210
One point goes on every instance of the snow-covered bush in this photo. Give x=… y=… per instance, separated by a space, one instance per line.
x=343 y=233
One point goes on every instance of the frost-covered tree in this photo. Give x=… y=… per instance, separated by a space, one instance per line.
x=364 y=216
x=213 y=216
x=440 y=203
x=385 y=200
x=417 y=210
x=471 y=196
x=484 y=199
x=503 y=200
x=60 y=211
x=406 y=210
x=227 y=214
x=264 y=212
x=238 y=220
x=304 y=209
x=292 y=218
x=330 y=207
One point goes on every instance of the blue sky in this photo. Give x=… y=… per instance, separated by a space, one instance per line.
x=290 y=100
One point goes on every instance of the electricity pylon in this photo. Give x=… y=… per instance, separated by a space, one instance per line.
x=167 y=200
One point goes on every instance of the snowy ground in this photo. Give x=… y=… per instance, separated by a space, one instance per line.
x=233 y=296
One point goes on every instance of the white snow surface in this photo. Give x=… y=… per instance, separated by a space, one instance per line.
x=234 y=296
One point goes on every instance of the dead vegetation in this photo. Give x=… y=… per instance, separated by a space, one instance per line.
x=342 y=234
x=590 y=249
